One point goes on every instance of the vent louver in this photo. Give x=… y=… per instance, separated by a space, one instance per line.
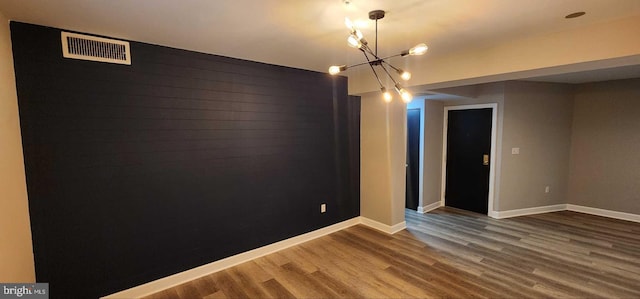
x=87 y=47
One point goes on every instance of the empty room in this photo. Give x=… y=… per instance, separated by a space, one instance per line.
x=320 y=149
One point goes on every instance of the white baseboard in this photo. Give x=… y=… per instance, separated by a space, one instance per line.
x=527 y=211
x=195 y=273
x=429 y=207
x=566 y=207
x=604 y=213
x=389 y=229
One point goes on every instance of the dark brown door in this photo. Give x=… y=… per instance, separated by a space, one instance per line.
x=468 y=148
x=413 y=158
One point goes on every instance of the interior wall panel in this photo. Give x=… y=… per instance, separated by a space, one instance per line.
x=139 y=172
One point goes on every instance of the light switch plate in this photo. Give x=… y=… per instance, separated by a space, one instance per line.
x=515 y=151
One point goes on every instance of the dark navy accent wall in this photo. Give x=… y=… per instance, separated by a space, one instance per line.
x=138 y=172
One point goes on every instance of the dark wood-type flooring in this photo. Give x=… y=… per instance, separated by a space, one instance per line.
x=445 y=253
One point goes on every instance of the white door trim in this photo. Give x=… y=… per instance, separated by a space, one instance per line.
x=492 y=159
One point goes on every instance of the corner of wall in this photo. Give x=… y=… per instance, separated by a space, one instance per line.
x=16 y=260
x=432 y=172
x=382 y=146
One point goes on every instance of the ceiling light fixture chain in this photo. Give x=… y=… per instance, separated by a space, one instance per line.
x=357 y=40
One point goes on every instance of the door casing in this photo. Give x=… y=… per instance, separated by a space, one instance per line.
x=492 y=158
x=418 y=163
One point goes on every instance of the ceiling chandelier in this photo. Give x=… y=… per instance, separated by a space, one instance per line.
x=356 y=40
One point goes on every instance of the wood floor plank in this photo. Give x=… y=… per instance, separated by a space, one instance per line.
x=227 y=285
x=604 y=275
x=338 y=287
x=255 y=271
x=216 y=295
x=276 y=290
x=297 y=256
x=432 y=288
x=336 y=266
x=166 y=294
x=306 y=283
x=250 y=284
x=271 y=267
x=447 y=253
x=205 y=285
x=189 y=291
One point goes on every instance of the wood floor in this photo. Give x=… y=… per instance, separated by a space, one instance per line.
x=445 y=253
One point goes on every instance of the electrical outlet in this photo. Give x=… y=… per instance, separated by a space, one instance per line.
x=546 y=189
x=323 y=208
x=515 y=151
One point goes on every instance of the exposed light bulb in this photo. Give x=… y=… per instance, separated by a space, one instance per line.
x=335 y=69
x=348 y=23
x=406 y=97
x=354 y=41
x=404 y=75
x=386 y=95
x=419 y=49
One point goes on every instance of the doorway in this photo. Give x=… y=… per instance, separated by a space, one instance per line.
x=468 y=157
x=413 y=159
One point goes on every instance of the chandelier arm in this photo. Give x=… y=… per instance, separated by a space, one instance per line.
x=391 y=77
x=377 y=58
x=383 y=58
x=380 y=58
x=358 y=64
x=393 y=67
x=373 y=69
x=366 y=48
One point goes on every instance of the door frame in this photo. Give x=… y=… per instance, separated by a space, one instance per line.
x=418 y=104
x=420 y=108
x=492 y=160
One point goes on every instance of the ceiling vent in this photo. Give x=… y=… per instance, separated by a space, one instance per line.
x=87 y=47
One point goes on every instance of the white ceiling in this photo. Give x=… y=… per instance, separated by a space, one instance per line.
x=310 y=34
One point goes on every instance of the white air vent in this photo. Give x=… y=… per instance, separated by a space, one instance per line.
x=87 y=47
